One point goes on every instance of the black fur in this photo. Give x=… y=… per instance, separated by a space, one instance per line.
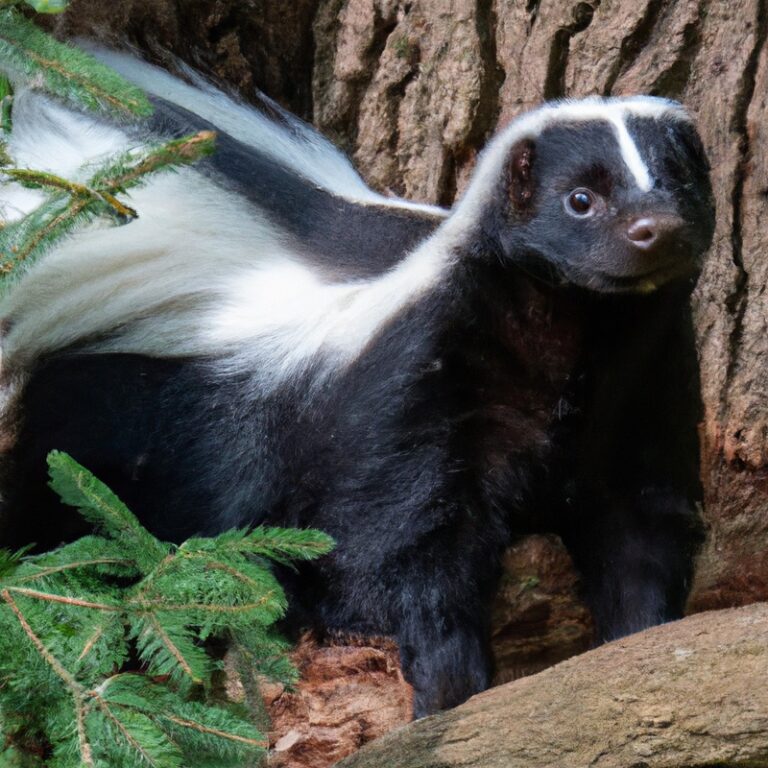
x=522 y=394
x=343 y=238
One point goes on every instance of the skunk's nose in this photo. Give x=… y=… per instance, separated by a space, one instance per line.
x=648 y=232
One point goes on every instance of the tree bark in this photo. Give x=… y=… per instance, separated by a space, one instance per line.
x=412 y=89
x=691 y=694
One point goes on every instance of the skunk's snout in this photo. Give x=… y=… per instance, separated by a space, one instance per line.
x=650 y=233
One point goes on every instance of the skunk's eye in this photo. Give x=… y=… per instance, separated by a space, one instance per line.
x=580 y=202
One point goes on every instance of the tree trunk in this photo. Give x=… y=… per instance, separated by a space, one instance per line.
x=413 y=88
x=686 y=695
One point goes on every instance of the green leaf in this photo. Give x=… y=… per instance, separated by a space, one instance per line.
x=79 y=488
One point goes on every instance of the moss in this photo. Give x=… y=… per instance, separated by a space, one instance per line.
x=529 y=582
x=402 y=47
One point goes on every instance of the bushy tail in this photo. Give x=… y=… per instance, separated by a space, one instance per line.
x=289 y=141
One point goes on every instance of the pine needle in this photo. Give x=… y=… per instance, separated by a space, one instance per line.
x=64 y=70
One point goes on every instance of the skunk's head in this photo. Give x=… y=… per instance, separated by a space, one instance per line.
x=607 y=194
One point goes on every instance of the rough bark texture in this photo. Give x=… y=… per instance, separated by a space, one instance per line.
x=538 y=618
x=249 y=43
x=649 y=701
x=350 y=692
x=412 y=88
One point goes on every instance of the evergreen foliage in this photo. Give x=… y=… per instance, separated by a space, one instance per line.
x=74 y=621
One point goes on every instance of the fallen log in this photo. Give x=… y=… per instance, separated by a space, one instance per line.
x=690 y=694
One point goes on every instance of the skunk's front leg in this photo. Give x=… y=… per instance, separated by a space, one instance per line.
x=426 y=579
x=630 y=517
x=635 y=556
x=442 y=618
x=445 y=656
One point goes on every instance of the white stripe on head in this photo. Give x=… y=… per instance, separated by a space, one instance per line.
x=631 y=155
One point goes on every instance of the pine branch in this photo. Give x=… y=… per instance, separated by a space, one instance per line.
x=277 y=543
x=44 y=573
x=90 y=644
x=31 y=236
x=52 y=661
x=53 y=598
x=84 y=745
x=79 y=488
x=191 y=723
x=74 y=204
x=167 y=648
x=68 y=618
x=130 y=169
x=63 y=70
x=40 y=180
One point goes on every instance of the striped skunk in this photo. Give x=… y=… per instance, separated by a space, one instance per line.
x=273 y=342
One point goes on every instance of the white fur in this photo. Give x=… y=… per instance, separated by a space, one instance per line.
x=290 y=315
x=298 y=147
x=631 y=155
x=201 y=273
x=150 y=283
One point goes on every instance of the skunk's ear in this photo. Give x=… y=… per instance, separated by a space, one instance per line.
x=520 y=184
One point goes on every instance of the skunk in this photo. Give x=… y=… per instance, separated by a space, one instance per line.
x=272 y=342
